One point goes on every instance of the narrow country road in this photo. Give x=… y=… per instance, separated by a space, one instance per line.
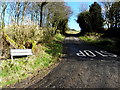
x=83 y=66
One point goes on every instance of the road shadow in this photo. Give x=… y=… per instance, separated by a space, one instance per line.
x=80 y=72
x=72 y=47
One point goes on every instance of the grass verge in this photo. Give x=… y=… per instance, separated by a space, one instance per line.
x=20 y=68
x=72 y=32
x=110 y=44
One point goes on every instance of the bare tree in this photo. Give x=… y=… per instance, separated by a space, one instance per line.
x=106 y=8
x=25 y=6
x=83 y=6
x=2 y=14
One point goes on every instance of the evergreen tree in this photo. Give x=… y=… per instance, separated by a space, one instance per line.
x=84 y=20
x=96 y=17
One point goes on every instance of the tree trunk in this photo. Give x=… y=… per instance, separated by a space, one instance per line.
x=41 y=12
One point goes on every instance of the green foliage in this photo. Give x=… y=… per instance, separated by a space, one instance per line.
x=72 y=32
x=21 y=37
x=20 y=68
x=84 y=20
x=22 y=34
x=55 y=46
x=91 y=21
x=96 y=16
x=47 y=54
x=18 y=36
x=59 y=16
x=105 y=43
x=48 y=34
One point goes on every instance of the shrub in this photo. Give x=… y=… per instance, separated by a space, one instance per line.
x=23 y=34
x=26 y=36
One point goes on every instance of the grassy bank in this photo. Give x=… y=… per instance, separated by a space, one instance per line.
x=72 y=32
x=110 y=44
x=45 y=55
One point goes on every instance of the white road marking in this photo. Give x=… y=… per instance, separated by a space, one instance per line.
x=67 y=38
x=76 y=39
x=88 y=52
x=101 y=54
x=81 y=54
x=109 y=54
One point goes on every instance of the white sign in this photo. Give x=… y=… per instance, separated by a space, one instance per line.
x=89 y=53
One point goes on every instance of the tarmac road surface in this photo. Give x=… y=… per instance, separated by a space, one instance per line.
x=83 y=66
